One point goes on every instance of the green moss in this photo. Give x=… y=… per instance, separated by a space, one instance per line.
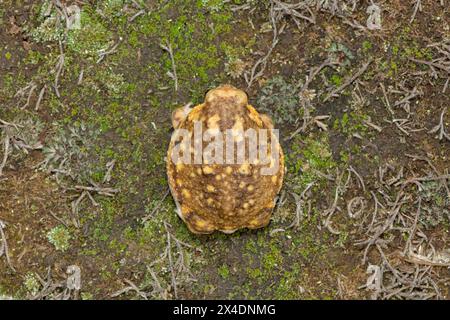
x=223 y=271
x=116 y=246
x=272 y=259
x=351 y=123
x=250 y=246
x=395 y=50
x=103 y=222
x=367 y=45
x=342 y=239
x=133 y=39
x=336 y=79
x=34 y=57
x=196 y=55
x=414 y=51
x=92 y=37
x=254 y=273
x=401 y=48
x=288 y=287
x=307 y=157
x=151 y=233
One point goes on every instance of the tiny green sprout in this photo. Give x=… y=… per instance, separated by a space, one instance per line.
x=223 y=271
x=31 y=283
x=86 y=296
x=59 y=236
x=336 y=79
x=366 y=45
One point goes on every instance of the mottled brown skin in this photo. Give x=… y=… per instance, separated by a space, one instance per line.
x=223 y=197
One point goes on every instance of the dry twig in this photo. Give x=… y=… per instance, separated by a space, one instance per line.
x=173 y=75
x=335 y=92
x=260 y=65
x=440 y=127
x=4 y=246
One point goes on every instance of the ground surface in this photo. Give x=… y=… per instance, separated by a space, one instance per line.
x=85 y=123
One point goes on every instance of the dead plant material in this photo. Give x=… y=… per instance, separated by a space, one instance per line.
x=4 y=246
x=440 y=127
x=260 y=65
x=172 y=74
x=335 y=92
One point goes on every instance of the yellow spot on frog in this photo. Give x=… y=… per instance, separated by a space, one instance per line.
x=212 y=122
x=186 y=193
x=244 y=169
x=208 y=170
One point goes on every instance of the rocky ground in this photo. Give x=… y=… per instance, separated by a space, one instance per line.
x=359 y=89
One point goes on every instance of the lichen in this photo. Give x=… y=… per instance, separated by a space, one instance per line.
x=279 y=99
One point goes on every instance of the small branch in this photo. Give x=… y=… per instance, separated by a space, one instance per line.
x=388 y=106
x=137 y=14
x=440 y=127
x=417 y=7
x=432 y=64
x=313 y=72
x=172 y=271
x=173 y=75
x=296 y=11
x=109 y=167
x=103 y=53
x=4 y=246
x=59 y=67
x=348 y=82
x=413 y=229
x=41 y=96
x=100 y=190
x=299 y=203
x=352 y=170
x=131 y=287
x=5 y=153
